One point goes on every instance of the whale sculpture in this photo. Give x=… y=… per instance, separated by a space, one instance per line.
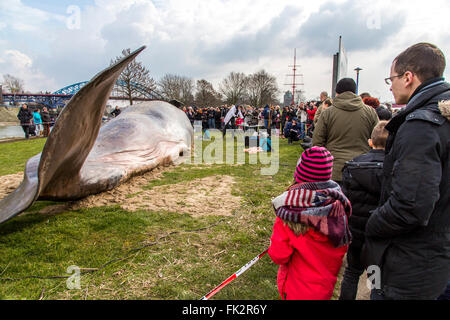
x=82 y=157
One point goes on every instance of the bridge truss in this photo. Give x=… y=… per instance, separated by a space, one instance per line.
x=63 y=95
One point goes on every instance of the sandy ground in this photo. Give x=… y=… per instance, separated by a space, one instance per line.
x=197 y=197
x=9 y=183
x=363 y=291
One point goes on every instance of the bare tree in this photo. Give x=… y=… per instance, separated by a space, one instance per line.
x=14 y=85
x=261 y=89
x=234 y=87
x=205 y=95
x=177 y=87
x=135 y=79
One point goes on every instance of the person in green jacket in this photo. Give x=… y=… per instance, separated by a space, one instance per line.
x=345 y=127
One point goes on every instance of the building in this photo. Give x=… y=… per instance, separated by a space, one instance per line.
x=287 y=98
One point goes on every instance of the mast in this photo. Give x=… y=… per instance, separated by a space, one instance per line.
x=294 y=75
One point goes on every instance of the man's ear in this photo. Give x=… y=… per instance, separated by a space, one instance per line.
x=410 y=78
x=369 y=141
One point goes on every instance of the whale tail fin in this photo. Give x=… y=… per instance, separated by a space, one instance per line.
x=69 y=142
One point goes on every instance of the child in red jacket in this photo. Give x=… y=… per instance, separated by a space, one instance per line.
x=311 y=234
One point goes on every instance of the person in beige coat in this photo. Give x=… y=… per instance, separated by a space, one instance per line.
x=345 y=127
x=325 y=104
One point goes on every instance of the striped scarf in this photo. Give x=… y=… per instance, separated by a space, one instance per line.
x=320 y=205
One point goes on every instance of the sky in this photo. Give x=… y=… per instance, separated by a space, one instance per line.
x=52 y=44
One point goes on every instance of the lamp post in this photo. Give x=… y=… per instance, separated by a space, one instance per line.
x=358 y=69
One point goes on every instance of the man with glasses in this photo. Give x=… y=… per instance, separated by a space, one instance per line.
x=408 y=235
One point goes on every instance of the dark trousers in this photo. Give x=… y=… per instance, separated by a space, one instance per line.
x=25 y=128
x=293 y=136
x=354 y=269
x=46 y=129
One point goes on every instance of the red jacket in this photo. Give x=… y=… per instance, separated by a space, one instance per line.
x=309 y=263
x=311 y=113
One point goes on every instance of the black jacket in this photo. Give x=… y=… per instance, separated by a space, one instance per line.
x=116 y=112
x=24 y=115
x=361 y=183
x=45 y=115
x=408 y=236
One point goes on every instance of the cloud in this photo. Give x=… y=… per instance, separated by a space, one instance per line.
x=20 y=65
x=360 y=28
x=21 y=17
x=251 y=46
x=209 y=39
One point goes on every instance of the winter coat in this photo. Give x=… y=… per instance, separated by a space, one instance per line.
x=302 y=115
x=318 y=113
x=45 y=117
x=37 y=118
x=289 y=126
x=344 y=129
x=24 y=115
x=311 y=113
x=408 y=236
x=309 y=263
x=361 y=183
x=266 y=113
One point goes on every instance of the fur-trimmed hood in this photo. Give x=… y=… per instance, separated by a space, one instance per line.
x=444 y=107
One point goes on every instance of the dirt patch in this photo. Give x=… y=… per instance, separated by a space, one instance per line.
x=199 y=197
x=9 y=183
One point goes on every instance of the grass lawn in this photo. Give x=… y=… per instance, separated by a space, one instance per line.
x=177 y=256
x=14 y=155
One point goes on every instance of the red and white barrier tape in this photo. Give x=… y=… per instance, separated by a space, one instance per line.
x=234 y=276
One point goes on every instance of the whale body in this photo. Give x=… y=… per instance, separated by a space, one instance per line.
x=81 y=157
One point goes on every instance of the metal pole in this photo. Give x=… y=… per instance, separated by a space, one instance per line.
x=358 y=69
x=293 y=84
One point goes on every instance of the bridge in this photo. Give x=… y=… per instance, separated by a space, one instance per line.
x=63 y=95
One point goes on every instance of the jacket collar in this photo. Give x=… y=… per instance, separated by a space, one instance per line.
x=424 y=93
x=424 y=87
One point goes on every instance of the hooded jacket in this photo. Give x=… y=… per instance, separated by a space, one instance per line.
x=309 y=263
x=408 y=236
x=361 y=183
x=45 y=115
x=344 y=129
x=24 y=115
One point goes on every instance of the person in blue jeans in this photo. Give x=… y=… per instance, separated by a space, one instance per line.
x=211 y=118
x=38 y=121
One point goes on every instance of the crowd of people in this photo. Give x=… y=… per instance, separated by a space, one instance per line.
x=294 y=122
x=36 y=122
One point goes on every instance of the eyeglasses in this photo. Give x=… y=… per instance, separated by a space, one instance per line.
x=389 y=80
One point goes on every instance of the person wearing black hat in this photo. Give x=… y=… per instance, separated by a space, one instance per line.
x=345 y=127
x=25 y=117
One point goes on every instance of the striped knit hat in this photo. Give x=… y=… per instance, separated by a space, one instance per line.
x=315 y=164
